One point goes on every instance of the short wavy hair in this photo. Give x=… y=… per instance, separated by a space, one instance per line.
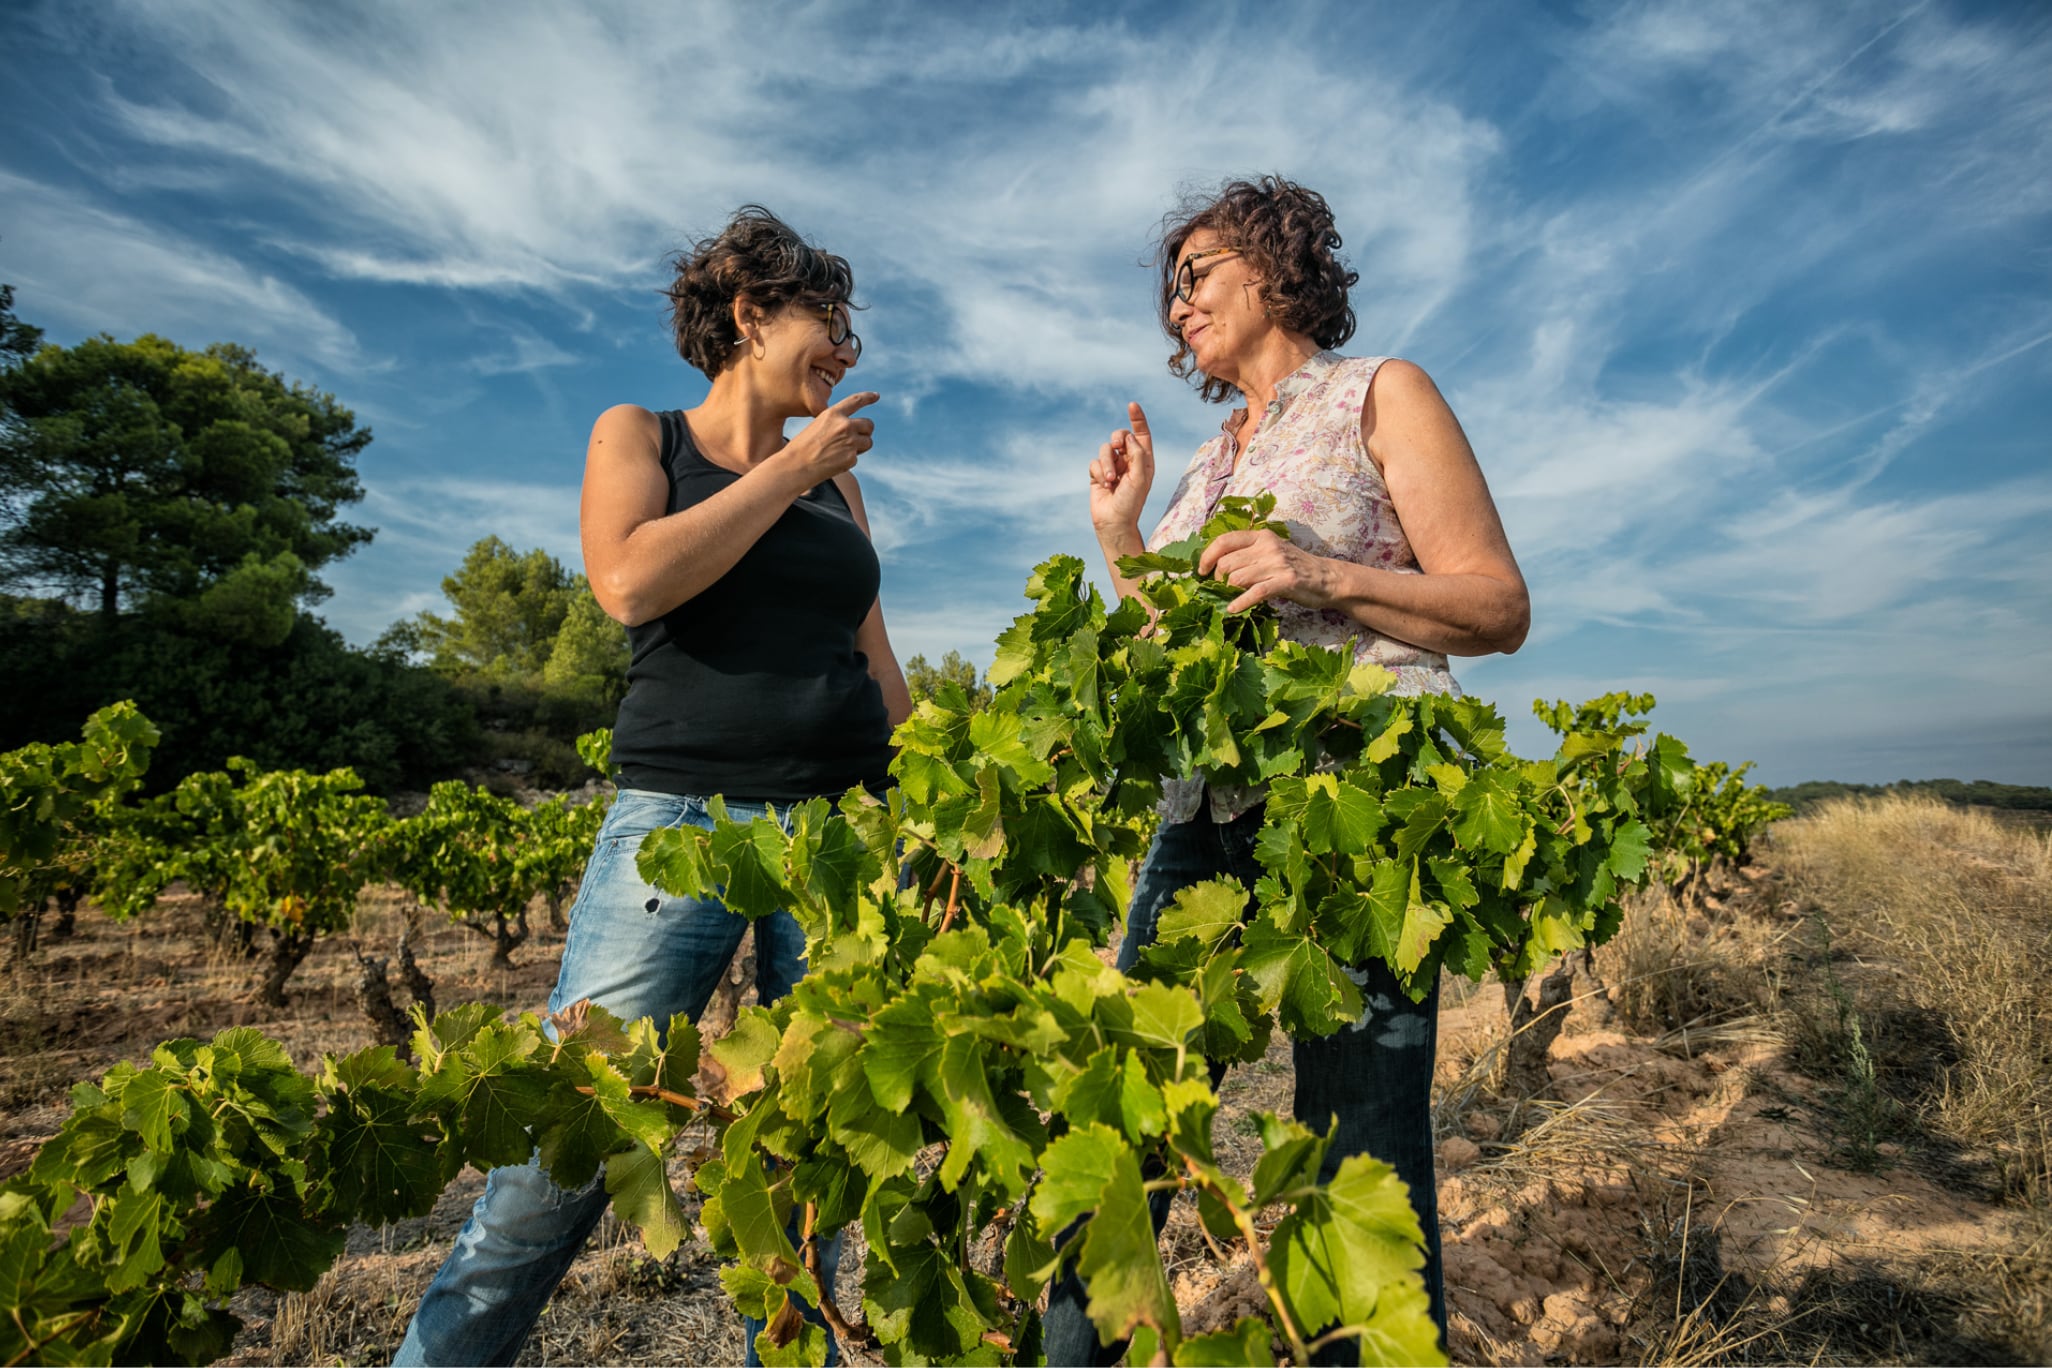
x=1286 y=231
x=759 y=257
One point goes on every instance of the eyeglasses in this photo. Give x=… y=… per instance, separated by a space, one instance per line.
x=1186 y=273
x=839 y=331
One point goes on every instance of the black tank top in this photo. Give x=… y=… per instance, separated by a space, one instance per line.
x=753 y=688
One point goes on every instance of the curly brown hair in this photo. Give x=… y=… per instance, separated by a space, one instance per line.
x=1286 y=232
x=757 y=257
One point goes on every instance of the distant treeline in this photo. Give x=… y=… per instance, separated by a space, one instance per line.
x=164 y=516
x=1978 y=793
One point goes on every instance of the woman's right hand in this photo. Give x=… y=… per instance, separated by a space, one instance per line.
x=1121 y=476
x=830 y=443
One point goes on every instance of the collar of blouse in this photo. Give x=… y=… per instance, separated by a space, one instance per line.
x=1286 y=391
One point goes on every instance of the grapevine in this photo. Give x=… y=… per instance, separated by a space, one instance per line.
x=557 y=839
x=960 y=1069
x=49 y=794
x=1399 y=828
x=464 y=852
x=1697 y=811
x=285 y=850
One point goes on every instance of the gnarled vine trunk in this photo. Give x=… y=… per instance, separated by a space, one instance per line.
x=506 y=933
x=374 y=999
x=380 y=1005
x=417 y=982
x=1536 y=1020
x=68 y=900
x=288 y=950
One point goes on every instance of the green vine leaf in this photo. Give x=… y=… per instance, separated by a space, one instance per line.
x=639 y=1185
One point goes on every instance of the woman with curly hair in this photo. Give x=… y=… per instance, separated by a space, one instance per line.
x=740 y=563
x=1395 y=553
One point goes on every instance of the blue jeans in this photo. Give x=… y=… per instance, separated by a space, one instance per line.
x=1371 y=1081
x=637 y=952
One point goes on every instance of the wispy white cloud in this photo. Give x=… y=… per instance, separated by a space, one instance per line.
x=1802 y=74
x=1836 y=558
x=425 y=524
x=528 y=351
x=79 y=263
x=433 y=144
x=441 y=516
x=421 y=155
x=1029 y=486
x=1715 y=303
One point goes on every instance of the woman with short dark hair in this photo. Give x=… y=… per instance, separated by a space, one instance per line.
x=741 y=565
x=1395 y=554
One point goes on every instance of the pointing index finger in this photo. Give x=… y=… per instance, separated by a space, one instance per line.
x=860 y=399
x=1138 y=417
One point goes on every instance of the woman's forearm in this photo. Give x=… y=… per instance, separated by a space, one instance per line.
x=1116 y=542
x=1454 y=614
x=667 y=561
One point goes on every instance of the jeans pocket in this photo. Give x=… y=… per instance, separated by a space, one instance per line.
x=637 y=812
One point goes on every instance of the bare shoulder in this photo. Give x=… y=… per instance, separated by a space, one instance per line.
x=623 y=465
x=1398 y=383
x=628 y=425
x=1404 y=414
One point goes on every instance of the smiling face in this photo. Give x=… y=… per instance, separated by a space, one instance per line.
x=1224 y=320
x=1278 y=295
x=790 y=353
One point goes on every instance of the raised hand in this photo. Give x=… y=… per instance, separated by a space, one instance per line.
x=830 y=443
x=1122 y=475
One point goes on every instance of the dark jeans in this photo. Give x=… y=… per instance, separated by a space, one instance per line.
x=1371 y=1081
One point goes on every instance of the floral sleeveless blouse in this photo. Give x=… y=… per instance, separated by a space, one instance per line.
x=1308 y=453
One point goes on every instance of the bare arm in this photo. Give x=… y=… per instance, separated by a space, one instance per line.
x=641 y=562
x=1471 y=600
x=871 y=638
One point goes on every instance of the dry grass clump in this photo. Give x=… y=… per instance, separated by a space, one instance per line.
x=1569 y=1142
x=345 y=1313
x=1865 y=1314
x=1942 y=922
x=618 y=1305
x=1671 y=970
x=1979 y=1307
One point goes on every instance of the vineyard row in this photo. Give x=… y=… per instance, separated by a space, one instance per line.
x=959 y=1073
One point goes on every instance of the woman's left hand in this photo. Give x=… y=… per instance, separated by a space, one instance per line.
x=1267 y=567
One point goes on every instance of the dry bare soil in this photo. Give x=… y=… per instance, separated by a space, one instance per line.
x=1803 y=1113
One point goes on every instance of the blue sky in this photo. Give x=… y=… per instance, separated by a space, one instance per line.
x=1745 y=306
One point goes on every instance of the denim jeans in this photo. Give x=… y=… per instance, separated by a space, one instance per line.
x=636 y=952
x=1371 y=1081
